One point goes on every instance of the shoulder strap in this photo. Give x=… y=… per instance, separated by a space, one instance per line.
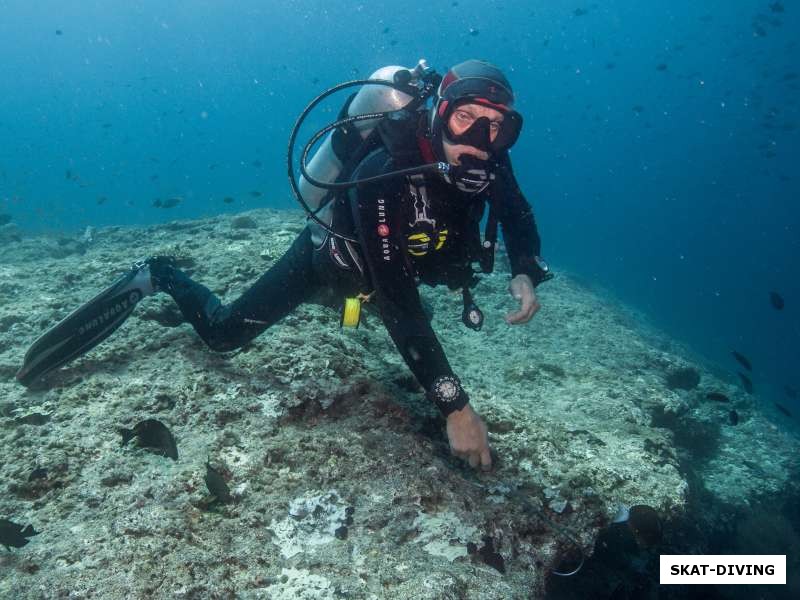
x=399 y=135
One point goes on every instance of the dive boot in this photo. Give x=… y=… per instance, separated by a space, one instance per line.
x=91 y=323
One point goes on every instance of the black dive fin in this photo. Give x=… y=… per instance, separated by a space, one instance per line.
x=87 y=326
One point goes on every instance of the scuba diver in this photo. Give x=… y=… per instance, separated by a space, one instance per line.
x=395 y=196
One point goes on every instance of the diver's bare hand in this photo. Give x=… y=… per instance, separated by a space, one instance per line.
x=469 y=438
x=521 y=288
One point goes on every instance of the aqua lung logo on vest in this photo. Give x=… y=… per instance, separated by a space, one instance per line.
x=383 y=230
x=111 y=312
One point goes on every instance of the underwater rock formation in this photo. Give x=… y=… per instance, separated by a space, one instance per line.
x=339 y=467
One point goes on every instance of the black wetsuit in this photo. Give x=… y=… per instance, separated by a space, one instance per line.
x=391 y=260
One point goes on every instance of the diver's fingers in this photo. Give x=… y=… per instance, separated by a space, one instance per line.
x=535 y=306
x=518 y=316
x=529 y=305
x=529 y=308
x=486 y=459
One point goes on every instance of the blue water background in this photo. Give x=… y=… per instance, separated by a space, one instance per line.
x=660 y=147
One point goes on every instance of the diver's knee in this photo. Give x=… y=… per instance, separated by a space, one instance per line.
x=162 y=270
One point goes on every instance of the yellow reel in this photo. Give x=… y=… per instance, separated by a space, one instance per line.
x=351 y=313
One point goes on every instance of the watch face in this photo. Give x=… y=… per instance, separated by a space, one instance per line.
x=447 y=389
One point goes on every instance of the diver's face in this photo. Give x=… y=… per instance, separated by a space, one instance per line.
x=461 y=119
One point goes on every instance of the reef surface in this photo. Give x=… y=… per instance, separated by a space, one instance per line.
x=339 y=469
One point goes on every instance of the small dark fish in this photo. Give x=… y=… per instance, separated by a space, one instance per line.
x=783 y=409
x=153 y=177
x=68 y=174
x=746 y=383
x=228 y=200
x=393 y=43
x=776 y=300
x=5 y=219
x=101 y=200
x=385 y=30
x=790 y=391
x=255 y=194
x=579 y=12
x=638 y=108
x=776 y=7
x=167 y=203
x=38 y=473
x=59 y=32
x=742 y=360
x=717 y=397
x=12 y=534
x=473 y=31
x=152 y=433
x=661 y=67
x=216 y=485
x=646 y=526
x=610 y=65
x=258 y=163
x=106 y=125
x=733 y=417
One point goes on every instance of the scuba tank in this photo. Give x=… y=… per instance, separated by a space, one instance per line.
x=327 y=164
x=331 y=168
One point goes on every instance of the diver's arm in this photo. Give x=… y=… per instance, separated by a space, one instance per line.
x=377 y=215
x=520 y=233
